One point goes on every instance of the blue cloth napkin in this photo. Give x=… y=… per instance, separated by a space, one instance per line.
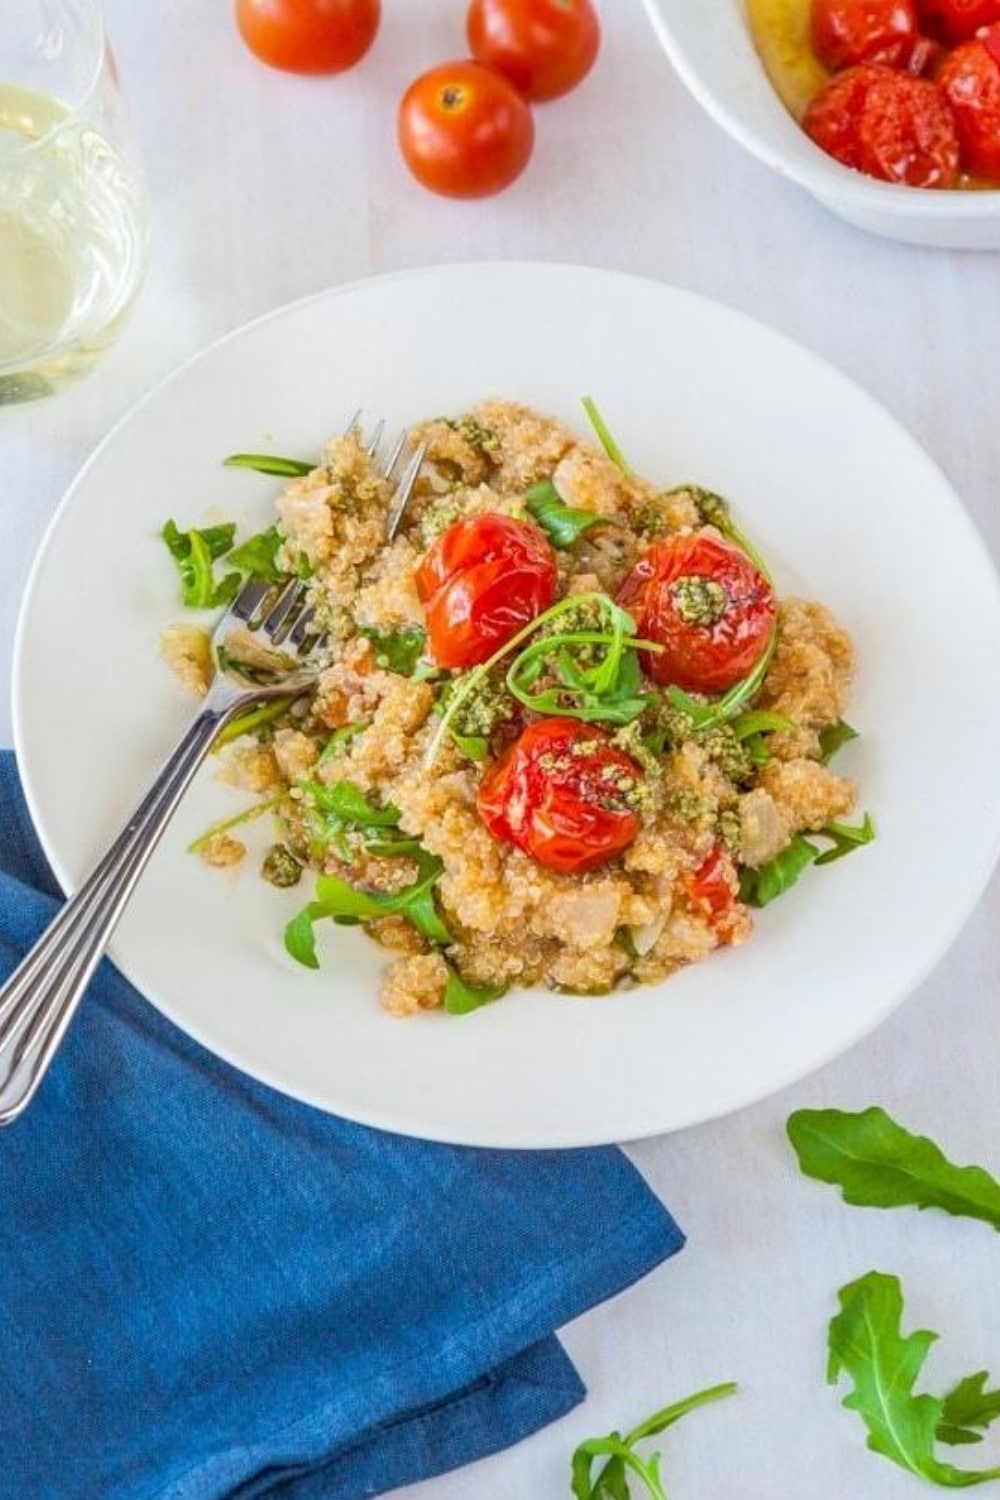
x=209 y=1290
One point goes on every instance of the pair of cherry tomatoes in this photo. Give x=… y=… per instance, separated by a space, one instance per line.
x=466 y=128
x=901 y=109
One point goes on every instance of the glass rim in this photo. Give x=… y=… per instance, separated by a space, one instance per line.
x=75 y=107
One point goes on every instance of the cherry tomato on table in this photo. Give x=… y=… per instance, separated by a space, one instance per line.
x=952 y=21
x=845 y=32
x=713 y=892
x=308 y=36
x=970 y=78
x=484 y=578
x=465 y=131
x=887 y=125
x=545 y=47
x=706 y=604
x=563 y=794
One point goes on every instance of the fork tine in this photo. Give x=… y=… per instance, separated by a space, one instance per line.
x=352 y=424
x=393 y=459
x=404 y=489
x=372 y=445
x=304 y=630
x=249 y=599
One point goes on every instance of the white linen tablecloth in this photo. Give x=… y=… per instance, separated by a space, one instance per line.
x=267 y=187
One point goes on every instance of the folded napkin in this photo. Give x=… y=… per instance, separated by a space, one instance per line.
x=209 y=1290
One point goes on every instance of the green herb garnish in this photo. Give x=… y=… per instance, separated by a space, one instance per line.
x=340 y=902
x=761 y=887
x=461 y=998
x=349 y=803
x=604 y=436
x=269 y=463
x=254 y=719
x=194 y=552
x=877 y=1163
x=338 y=741
x=225 y=824
x=759 y=721
x=563 y=525
x=257 y=556
x=834 y=738
x=397 y=650
x=611 y=1481
x=846 y=839
x=867 y=1345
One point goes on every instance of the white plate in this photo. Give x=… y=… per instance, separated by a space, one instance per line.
x=710 y=44
x=842 y=500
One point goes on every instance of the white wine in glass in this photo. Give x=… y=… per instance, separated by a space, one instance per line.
x=73 y=211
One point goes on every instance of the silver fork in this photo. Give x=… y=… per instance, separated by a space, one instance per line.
x=38 y=1001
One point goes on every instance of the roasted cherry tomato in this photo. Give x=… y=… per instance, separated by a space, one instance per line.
x=846 y=32
x=970 y=77
x=308 y=36
x=706 y=604
x=545 y=47
x=888 y=125
x=953 y=21
x=713 y=892
x=482 y=580
x=564 y=794
x=465 y=131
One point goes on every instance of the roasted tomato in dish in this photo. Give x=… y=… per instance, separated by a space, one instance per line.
x=545 y=47
x=564 y=794
x=706 y=604
x=308 y=36
x=465 y=131
x=888 y=125
x=970 y=78
x=482 y=580
x=846 y=32
x=953 y=21
x=713 y=892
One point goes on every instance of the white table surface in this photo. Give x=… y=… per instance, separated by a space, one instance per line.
x=266 y=188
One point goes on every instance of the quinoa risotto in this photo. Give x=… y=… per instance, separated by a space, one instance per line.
x=564 y=733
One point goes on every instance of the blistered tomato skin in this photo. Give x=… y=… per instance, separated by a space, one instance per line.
x=847 y=32
x=484 y=578
x=545 y=47
x=970 y=78
x=888 y=125
x=954 y=21
x=713 y=892
x=563 y=795
x=705 y=603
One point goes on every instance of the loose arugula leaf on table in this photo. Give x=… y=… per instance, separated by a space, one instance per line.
x=397 y=650
x=461 y=998
x=611 y=1481
x=834 y=738
x=563 y=525
x=867 y=1346
x=269 y=463
x=846 y=839
x=762 y=886
x=877 y=1163
x=257 y=556
x=604 y=436
x=967 y=1406
x=195 y=552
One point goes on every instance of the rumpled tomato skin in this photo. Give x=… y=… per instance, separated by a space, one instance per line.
x=481 y=582
x=662 y=593
x=562 y=794
x=970 y=79
x=847 y=32
x=888 y=125
x=713 y=893
x=954 y=21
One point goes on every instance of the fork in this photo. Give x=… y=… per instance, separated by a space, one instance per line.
x=39 y=999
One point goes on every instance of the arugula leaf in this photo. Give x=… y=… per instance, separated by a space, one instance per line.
x=966 y=1406
x=604 y=437
x=866 y=1344
x=563 y=525
x=611 y=1481
x=269 y=463
x=255 y=718
x=348 y=802
x=340 y=902
x=461 y=997
x=225 y=824
x=834 y=738
x=759 y=721
x=760 y=887
x=194 y=552
x=339 y=740
x=474 y=747
x=256 y=556
x=845 y=839
x=877 y=1163
x=300 y=937
x=397 y=650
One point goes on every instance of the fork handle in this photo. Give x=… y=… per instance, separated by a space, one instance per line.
x=39 y=999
